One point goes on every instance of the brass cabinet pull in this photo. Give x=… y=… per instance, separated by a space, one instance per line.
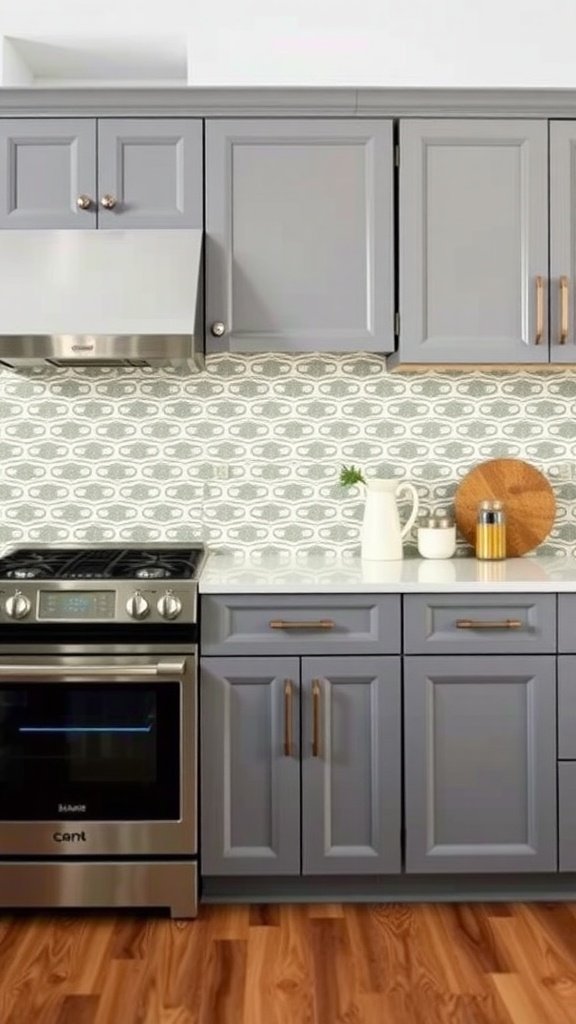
x=481 y=624
x=539 y=309
x=287 y=718
x=313 y=624
x=563 y=310
x=316 y=694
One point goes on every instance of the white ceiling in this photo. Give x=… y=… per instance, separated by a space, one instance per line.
x=335 y=42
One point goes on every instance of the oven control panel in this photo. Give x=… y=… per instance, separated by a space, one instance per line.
x=100 y=602
x=69 y=605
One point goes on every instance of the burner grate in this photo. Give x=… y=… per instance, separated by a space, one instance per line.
x=100 y=564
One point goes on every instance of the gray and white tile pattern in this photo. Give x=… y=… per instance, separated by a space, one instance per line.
x=111 y=455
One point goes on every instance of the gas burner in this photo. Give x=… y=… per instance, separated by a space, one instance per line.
x=30 y=573
x=152 y=573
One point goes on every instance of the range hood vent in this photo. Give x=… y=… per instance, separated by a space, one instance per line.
x=101 y=298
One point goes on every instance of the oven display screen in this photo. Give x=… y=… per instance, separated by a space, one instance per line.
x=77 y=604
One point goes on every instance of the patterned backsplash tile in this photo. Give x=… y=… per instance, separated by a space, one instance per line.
x=138 y=455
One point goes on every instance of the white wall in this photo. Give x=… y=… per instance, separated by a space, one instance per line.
x=317 y=42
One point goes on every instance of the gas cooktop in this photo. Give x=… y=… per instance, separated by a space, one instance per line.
x=114 y=563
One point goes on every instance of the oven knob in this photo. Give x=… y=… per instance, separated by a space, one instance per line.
x=137 y=606
x=17 y=606
x=169 y=605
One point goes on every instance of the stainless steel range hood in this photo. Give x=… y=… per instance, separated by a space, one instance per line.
x=101 y=298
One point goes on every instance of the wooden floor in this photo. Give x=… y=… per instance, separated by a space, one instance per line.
x=459 y=964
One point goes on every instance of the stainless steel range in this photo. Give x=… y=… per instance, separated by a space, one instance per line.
x=98 y=727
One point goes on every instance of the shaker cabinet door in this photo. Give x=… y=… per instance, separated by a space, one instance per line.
x=299 y=235
x=351 y=765
x=250 y=766
x=150 y=170
x=48 y=173
x=562 y=241
x=473 y=237
x=480 y=763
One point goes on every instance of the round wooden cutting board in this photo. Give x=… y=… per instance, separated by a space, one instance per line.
x=528 y=500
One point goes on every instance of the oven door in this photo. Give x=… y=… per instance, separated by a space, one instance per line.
x=98 y=755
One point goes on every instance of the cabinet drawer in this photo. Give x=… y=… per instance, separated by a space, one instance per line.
x=476 y=624
x=302 y=624
x=567 y=623
x=567 y=707
x=567 y=815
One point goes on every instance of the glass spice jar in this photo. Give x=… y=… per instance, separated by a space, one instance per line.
x=491 y=531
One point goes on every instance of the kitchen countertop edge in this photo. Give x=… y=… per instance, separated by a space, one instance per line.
x=241 y=574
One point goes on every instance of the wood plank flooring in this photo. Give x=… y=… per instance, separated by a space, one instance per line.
x=325 y=964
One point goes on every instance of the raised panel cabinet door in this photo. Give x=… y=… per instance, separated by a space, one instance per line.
x=473 y=237
x=150 y=170
x=47 y=173
x=351 y=765
x=299 y=235
x=562 y=241
x=250 y=766
x=480 y=763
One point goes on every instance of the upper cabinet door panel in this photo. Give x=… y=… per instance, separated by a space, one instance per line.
x=299 y=232
x=562 y=241
x=473 y=241
x=45 y=167
x=153 y=170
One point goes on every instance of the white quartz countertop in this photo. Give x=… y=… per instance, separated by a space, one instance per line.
x=242 y=573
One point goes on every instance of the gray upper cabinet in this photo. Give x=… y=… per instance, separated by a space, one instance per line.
x=562 y=241
x=151 y=170
x=46 y=166
x=299 y=235
x=250 y=766
x=480 y=763
x=351 y=735
x=83 y=173
x=473 y=237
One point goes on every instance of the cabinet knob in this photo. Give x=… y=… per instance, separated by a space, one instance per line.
x=83 y=202
x=108 y=202
x=218 y=329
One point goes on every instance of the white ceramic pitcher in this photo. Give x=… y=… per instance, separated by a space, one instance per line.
x=381 y=531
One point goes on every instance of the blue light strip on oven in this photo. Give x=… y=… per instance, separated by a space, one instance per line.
x=83 y=728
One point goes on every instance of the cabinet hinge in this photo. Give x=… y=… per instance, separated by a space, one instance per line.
x=397 y=324
x=396 y=155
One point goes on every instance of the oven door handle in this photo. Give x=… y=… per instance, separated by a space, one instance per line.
x=162 y=668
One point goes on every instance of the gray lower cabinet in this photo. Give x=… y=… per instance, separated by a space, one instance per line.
x=256 y=790
x=351 y=764
x=473 y=241
x=299 y=235
x=46 y=165
x=107 y=173
x=567 y=815
x=480 y=624
x=480 y=763
x=301 y=624
x=250 y=766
